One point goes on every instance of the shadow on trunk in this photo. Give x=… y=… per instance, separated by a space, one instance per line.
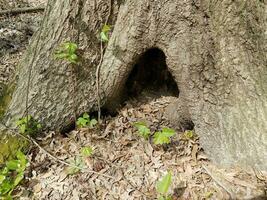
x=150 y=76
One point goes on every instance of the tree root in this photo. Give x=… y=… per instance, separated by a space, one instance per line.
x=15 y=11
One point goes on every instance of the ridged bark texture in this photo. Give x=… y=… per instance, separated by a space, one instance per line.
x=215 y=50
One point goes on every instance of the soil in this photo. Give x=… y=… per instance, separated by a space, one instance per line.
x=123 y=165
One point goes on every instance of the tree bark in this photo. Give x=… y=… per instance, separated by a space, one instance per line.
x=215 y=50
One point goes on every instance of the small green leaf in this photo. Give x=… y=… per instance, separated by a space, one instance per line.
x=168 y=132
x=39 y=126
x=92 y=123
x=22 y=128
x=21 y=156
x=86 y=151
x=85 y=121
x=208 y=195
x=9 y=179
x=104 y=33
x=143 y=130
x=9 y=197
x=164 y=184
x=161 y=198
x=104 y=37
x=18 y=178
x=163 y=137
x=73 y=170
x=4 y=171
x=79 y=162
x=28 y=125
x=2 y=178
x=106 y=28
x=82 y=122
x=67 y=51
x=73 y=58
x=86 y=116
x=19 y=122
x=23 y=161
x=27 y=119
x=6 y=186
x=61 y=55
x=189 y=135
x=13 y=164
x=70 y=47
x=159 y=138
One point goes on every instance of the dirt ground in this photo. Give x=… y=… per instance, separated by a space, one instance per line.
x=15 y=34
x=123 y=164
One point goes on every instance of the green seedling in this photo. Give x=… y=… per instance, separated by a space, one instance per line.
x=11 y=175
x=163 y=137
x=143 y=130
x=104 y=35
x=163 y=186
x=189 y=135
x=68 y=51
x=86 y=151
x=28 y=125
x=78 y=162
x=208 y=195
x=85 y=121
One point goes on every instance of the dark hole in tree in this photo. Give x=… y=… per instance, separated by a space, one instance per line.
x=150 y=75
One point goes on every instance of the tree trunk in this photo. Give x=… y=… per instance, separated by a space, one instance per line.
x=215 y=50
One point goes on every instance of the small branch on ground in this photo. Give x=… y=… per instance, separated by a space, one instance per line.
x=21 y=10
x=65 y=163
x=216 y=179
x=28 y=138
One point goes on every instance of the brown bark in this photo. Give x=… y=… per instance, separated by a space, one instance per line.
x=215 y=50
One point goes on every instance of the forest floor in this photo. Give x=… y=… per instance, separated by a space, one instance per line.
x=123 y=164
x=128 y=166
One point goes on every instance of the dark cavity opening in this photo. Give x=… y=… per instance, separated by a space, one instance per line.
x=150 y=76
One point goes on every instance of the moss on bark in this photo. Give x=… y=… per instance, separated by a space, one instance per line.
x=5 y=98
x=10 y=144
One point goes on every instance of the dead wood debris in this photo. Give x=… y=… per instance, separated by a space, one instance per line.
x=21 y=10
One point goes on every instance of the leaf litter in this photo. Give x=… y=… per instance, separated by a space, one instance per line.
x=134 y=164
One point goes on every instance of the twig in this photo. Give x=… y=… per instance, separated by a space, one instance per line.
x=74 y=80
x=232 y=196
x=97 y=81
x=28 y=138
x=99 y=65
x=65 y=163
x=21 y=10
